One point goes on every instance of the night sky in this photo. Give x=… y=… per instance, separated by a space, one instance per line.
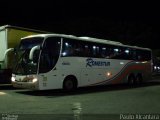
x=128 y=22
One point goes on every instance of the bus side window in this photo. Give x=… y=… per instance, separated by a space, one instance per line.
x=103 y=52
x=67 y=49
x=110 y=53
x=71 y=48
x=86 y=51
x=138 y=55
x=78 y=49
x=95 y=51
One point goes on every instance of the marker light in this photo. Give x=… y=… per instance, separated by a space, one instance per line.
x=121 y=63
x=109 y=74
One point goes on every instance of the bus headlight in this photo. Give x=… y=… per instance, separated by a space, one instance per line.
x=13 y=79
x=34 y=80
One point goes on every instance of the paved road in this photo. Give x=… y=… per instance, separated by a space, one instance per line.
x=93 y=101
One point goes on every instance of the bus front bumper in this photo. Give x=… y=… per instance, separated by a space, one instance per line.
x=28 y=85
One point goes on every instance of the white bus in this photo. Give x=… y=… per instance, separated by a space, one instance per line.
x=57 y=61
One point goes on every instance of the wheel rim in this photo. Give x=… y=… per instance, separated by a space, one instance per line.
x=69 y=85
x=139 y=79
x=131 y=80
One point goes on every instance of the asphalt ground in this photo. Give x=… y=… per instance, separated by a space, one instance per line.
x=99 y=103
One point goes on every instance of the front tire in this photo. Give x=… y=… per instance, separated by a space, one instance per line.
x=69 y=84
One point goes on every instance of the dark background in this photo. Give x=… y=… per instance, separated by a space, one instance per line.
x=132 y=23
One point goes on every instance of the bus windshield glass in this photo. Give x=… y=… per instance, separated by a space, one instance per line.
x=24 y=65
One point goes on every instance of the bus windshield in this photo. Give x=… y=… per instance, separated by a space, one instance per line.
x=46 y=57
x=24 y=65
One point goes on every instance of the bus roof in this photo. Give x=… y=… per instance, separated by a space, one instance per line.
x=89 y=39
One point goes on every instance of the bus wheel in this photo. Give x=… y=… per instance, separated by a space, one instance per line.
x=139 y=79
x=69 y=84
x=131 y=80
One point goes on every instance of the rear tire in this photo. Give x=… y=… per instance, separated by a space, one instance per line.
x=139 y=79
x=131 y=80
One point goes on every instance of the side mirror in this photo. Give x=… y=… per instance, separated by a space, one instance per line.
x=32 y=51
